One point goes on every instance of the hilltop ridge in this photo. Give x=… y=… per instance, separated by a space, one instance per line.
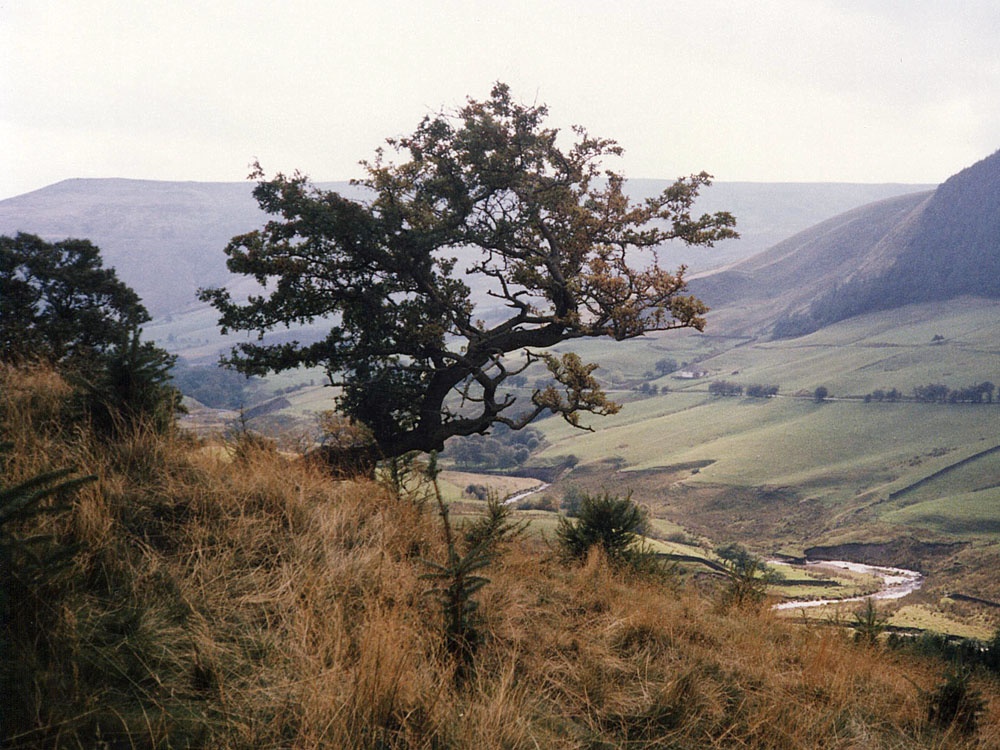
x=166 y=239
x=935 y=245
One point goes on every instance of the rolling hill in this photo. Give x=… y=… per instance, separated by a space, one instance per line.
x=165 y=239
x=779 y=474
x=896 y=294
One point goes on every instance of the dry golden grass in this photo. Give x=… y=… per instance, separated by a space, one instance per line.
x=256 y=603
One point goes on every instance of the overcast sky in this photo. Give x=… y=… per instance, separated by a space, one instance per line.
x=762 y=90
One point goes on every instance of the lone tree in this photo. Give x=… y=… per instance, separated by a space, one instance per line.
x=547 y=237
x=59 y=304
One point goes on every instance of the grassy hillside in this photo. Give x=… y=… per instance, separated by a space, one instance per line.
x=790 y=473
x=229 y=596
x=789 y=277
x=905 y=250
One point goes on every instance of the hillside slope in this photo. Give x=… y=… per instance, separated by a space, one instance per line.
x=750 y=295
x=923 y=246
x=227 y=596
x=165 y=239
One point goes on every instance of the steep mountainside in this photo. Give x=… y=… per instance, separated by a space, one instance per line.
x=922 y=246
x=166 y=238
x=955 y=247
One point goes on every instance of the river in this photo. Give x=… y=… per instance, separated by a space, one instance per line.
x=896 y=583
x=525 y=493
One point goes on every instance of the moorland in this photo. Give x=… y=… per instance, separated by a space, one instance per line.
x=231 y=593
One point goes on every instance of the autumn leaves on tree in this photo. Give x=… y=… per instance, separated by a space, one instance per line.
x=562 y=249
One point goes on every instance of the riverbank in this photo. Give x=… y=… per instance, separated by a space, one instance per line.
x=895 y=583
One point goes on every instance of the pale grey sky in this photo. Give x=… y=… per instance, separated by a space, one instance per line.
x=764 y=90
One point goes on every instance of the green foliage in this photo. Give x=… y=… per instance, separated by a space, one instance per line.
x=969 y=652
x=539 y=501
x=58 y=303
x=215 y=387
x=725 y=388
x=820 y=394
x=27 y=563
x=648 y=389
x=547 y=232
x=880 y=394
x=977 y=393
x=27 y=559
x=869 y=623
x=614 y=523
x=666 y=365
x=494 y=528
x=457 y=581
x=504 y=448
x=955 y=703
x=762 y=390
x=748 y=577
x=571 y=501
x=133 y=389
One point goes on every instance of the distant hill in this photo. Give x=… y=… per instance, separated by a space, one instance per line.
x=166 y=238
x=936 y=245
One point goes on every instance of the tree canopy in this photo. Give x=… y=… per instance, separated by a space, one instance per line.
x=58 y=302
x=546 y=233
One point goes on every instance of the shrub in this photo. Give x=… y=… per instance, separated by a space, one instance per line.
x=869 y=623
x=28 y=562
x=478 y=491
x=133 y=390
x=614 y=523
x=748 y=577
x=955 y=703
x=539 y=501
x=457 y=579
x=571 y=500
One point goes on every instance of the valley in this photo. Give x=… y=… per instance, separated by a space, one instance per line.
x=896 y=481
x=907 y=484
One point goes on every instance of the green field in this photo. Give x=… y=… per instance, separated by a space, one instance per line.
x=787 y=473
x=843 y=444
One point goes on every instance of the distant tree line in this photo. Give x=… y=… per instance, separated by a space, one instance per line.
x=880 y=395
x=941 y=394
x=503 y=449
x=730 y=389
x=932 y=393
x=937 y=393
x=725 y=388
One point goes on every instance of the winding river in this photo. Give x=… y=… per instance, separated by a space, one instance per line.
x=896 y=583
